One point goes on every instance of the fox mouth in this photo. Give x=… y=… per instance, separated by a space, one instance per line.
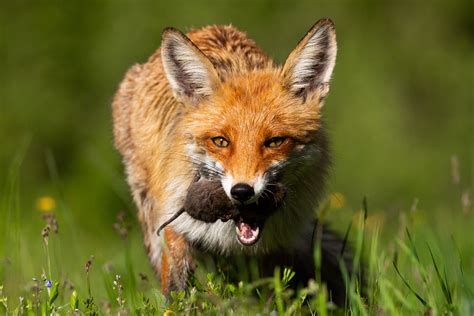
x=248 y=231
x=250 y=219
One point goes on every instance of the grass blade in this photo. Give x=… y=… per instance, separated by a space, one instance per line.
x=412 y=246
x=466 y=287
x=365 y=208
x=443 y=283
x=409 y=286
x=278 y=292
x=346 y=237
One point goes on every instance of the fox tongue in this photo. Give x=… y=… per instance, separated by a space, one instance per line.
x=247 y=234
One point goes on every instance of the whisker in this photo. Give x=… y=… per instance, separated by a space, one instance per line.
x=273 y=195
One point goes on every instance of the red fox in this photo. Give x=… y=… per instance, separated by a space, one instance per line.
x=211 y=103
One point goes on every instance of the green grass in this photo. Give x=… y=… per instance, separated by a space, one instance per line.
x=419 y=263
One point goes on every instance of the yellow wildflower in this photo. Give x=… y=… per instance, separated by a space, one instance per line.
x=46 y=204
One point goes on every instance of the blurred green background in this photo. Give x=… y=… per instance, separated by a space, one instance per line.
x=401 y=105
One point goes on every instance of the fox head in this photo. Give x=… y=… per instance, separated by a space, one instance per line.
x=249 y=128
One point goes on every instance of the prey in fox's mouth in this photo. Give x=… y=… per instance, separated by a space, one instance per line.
x=207 y=201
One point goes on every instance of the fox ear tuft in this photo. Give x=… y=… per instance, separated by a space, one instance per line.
x=309 y=67
x=189 y=72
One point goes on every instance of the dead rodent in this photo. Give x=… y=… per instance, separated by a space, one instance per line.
x=207 y=201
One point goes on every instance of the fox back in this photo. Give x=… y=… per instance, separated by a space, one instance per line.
x=211 y=103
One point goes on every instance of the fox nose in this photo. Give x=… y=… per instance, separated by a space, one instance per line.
x=242 y=192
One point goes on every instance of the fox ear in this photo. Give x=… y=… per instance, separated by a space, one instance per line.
x=309 y=67
x=190 y=73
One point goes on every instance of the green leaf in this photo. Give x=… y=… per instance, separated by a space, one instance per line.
x=74 y=301
x=53 y=294
x=288 y=275
x=322 y=302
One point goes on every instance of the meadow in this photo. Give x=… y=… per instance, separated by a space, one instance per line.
x=415 y=271
x=400 y=117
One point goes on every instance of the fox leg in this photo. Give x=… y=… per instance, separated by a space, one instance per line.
x=175 y=262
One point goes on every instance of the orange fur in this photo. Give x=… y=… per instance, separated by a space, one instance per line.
x=261 y=109
x=175 y=255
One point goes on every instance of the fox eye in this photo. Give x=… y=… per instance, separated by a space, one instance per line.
x=220 y=141
x=275 y=142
